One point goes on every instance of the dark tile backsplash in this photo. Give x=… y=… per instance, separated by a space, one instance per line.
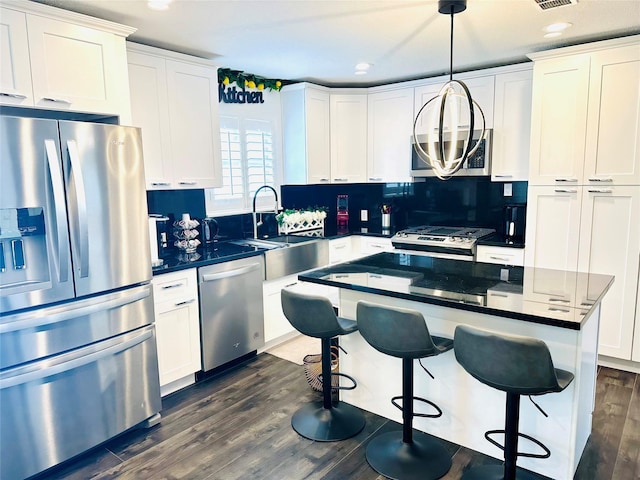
x=460 y=201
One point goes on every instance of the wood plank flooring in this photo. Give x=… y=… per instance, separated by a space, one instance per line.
x=237 y=426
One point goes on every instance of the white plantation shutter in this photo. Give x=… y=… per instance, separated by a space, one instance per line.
x=247 y=164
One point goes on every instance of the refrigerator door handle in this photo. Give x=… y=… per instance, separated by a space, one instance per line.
x=39 y=318
x=57 y=184
x=76 y=172
x=78 y=358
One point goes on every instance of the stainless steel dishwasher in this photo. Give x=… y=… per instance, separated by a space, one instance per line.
x=231 y=310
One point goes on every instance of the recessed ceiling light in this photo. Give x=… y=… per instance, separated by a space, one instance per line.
x=363 y=66
x=557 y=27
x=158 y=4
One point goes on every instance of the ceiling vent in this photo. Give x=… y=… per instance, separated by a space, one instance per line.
x=549 y=4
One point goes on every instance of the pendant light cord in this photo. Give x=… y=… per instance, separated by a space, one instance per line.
x=451 y=49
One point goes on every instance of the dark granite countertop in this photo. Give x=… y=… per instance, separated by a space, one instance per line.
x=551 y=297
x=219 y=252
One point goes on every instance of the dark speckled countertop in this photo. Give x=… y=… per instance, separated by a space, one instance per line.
x=550 y=297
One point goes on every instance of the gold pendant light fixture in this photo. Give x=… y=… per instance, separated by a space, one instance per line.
x=441 y=139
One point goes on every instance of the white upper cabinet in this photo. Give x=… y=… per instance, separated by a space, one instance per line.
x=15 y=70
x=174 y=99
x=390 y=127
x=613 y=120
x=70 y=61
x=511 y=126
x=306 y=134
x=558 y=120
x=348 y=113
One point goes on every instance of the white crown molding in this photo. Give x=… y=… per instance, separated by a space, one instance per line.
x=586 y=47
x=168 y=54
x=35 y=8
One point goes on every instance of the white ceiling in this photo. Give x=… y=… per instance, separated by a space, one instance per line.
x=322 y=40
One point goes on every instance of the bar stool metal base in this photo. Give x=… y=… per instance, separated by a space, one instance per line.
x=496 y=472
x=425 y=458
x=339 y=422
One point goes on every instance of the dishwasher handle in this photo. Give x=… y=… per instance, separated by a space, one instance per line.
x=211 y=277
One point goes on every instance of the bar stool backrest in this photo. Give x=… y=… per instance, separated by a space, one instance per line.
x=311 y=315
x=398 y=332
x=514 y=364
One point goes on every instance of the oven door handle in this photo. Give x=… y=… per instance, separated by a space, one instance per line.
x=78 y=359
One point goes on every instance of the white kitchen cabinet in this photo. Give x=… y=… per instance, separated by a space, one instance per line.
x=63 y=61
x=553 y=227
x=636 y=337
x=500 y=255
x=512 y=126
x=174 y=100
x=177 y=328
x=389 y=131
x=610 y=244
x=482 y=92
x=340 y=250
x=348 y=137
x=373 y=245
x=612 y=153
x=306 y=134
x=558 y=120
x=15 y=69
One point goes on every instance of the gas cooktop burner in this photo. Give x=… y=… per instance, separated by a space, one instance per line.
x=460 y=240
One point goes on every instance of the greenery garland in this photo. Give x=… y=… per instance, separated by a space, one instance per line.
x=226 y=76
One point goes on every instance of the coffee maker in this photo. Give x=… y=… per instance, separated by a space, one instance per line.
x=159 y=229
x=514 y=221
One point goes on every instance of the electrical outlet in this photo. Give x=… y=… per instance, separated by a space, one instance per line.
x=364 y=215
x=508 y=189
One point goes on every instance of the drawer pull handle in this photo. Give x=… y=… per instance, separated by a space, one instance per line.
x=375 y=179
x=552 y=309
x=291 y=285
x=567 y=180
x=600 y=190
x=19 y=96
x=340 y=179
x=186 y=302
x=595 y=179
x=185 y=182
x=559 y=300
x=492 y=257
x=324 y=179
x=566 y=190
x=160 y=184
x=173 y=285
x=57 y=100
x=503 y=176
x=501 y=295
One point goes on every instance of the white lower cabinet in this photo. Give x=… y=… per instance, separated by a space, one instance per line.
x=500 y=255
x=372 y=245
x=594 y=230
x=177 y=328
x=276 y=324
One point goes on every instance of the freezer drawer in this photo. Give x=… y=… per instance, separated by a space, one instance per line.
x=57 y=408
x=231 y=310
x=48 y=331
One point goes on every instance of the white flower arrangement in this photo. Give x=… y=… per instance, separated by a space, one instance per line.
x=291 y=221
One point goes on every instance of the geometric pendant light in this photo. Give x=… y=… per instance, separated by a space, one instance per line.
x=445 y=143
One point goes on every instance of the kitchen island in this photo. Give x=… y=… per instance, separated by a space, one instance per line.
x=561 y=308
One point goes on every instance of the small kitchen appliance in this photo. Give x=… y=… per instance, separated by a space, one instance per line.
x=451 y=242
x=514 y=221
x=158 y=238
x=210 y=230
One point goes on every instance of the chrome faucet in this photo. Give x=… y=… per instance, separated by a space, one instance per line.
x=257 y=223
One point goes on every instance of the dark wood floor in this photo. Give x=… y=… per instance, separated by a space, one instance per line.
x=237 y=426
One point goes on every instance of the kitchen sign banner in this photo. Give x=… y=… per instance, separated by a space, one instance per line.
x=233 y=95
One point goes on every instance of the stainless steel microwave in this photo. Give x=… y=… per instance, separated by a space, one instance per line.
x=479 y=164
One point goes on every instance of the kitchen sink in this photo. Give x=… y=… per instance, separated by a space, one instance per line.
x=287 y=254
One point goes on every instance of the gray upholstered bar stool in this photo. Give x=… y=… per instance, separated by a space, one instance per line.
x=328 y=421
x=404 y=334
x=518 y=366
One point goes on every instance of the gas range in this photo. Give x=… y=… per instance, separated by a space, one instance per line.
x=437 y=239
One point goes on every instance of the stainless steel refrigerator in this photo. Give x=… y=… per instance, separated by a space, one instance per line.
x=78 y=360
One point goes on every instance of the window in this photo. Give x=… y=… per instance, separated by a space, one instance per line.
x=248 y=162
